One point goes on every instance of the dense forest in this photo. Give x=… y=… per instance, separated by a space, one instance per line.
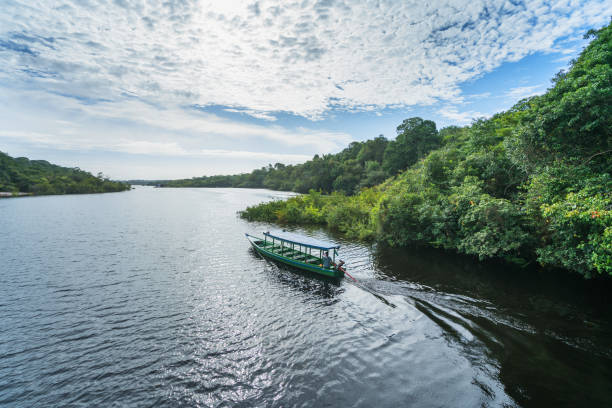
x=39 y=177
x=361 y=165
x=531 y=184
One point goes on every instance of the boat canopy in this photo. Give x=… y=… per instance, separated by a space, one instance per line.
x=301 y=240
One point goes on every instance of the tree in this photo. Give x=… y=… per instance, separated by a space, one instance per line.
x=415 y=138
x=573 y=120
x=373 y=150
x=41 y=177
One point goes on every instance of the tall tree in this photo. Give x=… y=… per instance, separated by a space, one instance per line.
x=415 y=138
x=573 y=120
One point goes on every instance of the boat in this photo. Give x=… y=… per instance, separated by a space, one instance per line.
x=301 y=252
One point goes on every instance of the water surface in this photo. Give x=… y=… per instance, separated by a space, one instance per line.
x=153 y=298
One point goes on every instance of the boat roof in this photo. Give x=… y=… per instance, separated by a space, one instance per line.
x=301 y=240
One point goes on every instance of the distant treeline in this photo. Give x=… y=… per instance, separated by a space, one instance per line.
x=40 y=177
x=531 y=184
x=360 y=165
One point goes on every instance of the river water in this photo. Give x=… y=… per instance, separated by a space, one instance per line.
x=153 y=297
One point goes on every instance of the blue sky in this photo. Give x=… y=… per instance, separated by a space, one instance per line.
x=164 y=89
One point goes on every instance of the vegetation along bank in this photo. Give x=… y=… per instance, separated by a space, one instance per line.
x=529 y=184
x=20 y=176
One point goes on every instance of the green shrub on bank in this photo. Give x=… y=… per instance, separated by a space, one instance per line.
x=578 y=233
x=348 y=214
x=529 y=184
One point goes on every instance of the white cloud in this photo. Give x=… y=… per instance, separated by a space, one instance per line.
x=131 y=126
x=272 y=56
x=483 y=95
x=253 y=113
x=173 y=149
x=566 y=58
x=128 y=76
x=522 y=92
x=148 y=148
x=461 y=118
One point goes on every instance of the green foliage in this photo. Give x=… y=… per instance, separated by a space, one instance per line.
x=529 y=184
x=372 y=150
x=415 y=138
x=488 y=227
x=353 y=215
x=348 y=214
x=265 y=212
x=360 y=165
x=573 y=120
x=40 y=177
x=576 y=227
x=374 y=174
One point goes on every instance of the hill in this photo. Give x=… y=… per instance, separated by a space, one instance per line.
x=39 y=177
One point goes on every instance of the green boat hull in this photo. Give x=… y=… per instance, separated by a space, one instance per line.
x=272 y=252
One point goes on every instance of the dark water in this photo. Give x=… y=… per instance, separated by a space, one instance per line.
x=154 y=298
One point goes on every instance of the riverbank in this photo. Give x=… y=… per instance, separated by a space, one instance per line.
x=156 y=298
x=531 y=184
x=8 y=194
x=39 y=177
x=466 y=222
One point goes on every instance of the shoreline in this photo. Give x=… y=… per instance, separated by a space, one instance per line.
x=8 y=194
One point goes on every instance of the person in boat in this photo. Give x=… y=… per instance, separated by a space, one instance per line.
x=327 y=262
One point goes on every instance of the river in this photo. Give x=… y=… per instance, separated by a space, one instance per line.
x=153 y=297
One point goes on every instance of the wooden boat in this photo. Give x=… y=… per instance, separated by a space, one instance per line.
x=298 y=251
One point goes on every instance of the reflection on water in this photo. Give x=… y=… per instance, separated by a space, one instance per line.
x=295 y=279
x=549 y=333
x=154 y=298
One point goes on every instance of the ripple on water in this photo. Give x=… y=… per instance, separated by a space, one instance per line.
x=154 y=298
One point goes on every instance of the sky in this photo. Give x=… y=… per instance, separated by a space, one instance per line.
x=166 y=89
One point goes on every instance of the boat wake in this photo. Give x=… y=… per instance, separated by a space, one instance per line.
x=364 y=286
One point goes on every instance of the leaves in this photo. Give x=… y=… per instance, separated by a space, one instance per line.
x=532 y=183
x=40 y=177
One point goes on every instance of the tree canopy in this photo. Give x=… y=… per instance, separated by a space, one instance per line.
x=532 y=184
x=40 y=177
x=360 y=165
